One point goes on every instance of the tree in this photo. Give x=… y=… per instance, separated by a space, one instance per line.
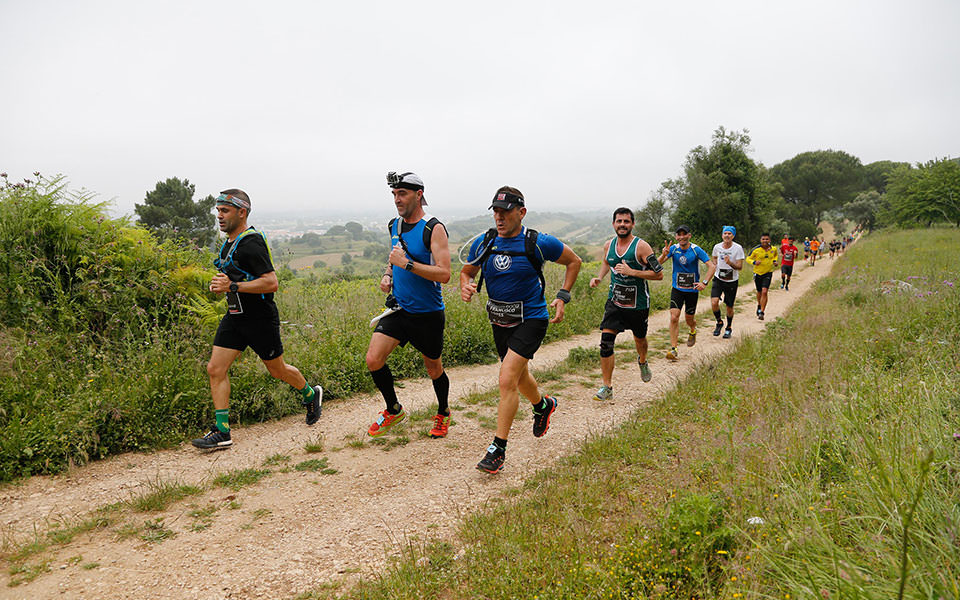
x=355 y=229
x=815 y=182
x=863 y=210
x=722 y=185
x=927 y=194
x=170 y=212
x=876 y=173
x=653 y=220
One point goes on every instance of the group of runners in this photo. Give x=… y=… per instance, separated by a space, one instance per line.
x=509 y=258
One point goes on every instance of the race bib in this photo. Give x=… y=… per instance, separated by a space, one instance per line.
x=505 y=314
x=725 y=274
x=234 y=307
x=625 y=296
x=686 y=281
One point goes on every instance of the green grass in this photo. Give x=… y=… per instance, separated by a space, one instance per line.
x=161 y=494
x=240 y=478
x=315 y=445
x=315 y=464
x=275 y=460
x=835 y=428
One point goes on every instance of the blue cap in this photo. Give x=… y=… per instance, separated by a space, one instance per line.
x=730 y=228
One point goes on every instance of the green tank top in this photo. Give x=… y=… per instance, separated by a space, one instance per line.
x=627 y=291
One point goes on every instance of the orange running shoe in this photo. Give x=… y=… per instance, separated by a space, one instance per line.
x=441 y=423
x=385 y=421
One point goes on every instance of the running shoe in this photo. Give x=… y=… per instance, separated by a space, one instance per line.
x=645 y=373
x=493 y=462
x=760 y=315
x=691 y=339
x=672 y=354
x=604 y=393
x=727 y=333
x=214 y=440
x=541 y=420
x=314 y=405
x=441 y=423
x=758 y=310
x=718 y=328
x=385 y=420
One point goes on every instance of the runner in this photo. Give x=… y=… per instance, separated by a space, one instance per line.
x=728 y=256
x=418 y=263
x=686 y=284
x=814 y=250
x=510 y=257
x=788 y=255
x=764 y=260
x=806 y=248
x=631 y=263
x=833 y=247
x=246 y=276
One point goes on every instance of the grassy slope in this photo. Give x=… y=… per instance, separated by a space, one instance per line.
x=835 y=429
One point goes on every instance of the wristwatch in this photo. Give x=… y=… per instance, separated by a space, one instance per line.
x=409 y=265
x=234 y=287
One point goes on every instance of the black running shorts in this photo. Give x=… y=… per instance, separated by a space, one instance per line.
x=524 y=339
x=620 y=319
x=786 y=270
x=424 y=331
x=725 y=289
x=763 y=281
x=678 y=298
x=262 y=335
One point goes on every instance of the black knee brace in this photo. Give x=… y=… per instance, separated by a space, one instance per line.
x=606 y=344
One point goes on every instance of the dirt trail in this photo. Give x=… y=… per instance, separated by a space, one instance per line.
x=294 y=531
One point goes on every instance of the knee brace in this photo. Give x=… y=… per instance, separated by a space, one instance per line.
x=606 y=344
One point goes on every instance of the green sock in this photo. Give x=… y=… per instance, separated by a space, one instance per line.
x=223 y=419
x=307 y=392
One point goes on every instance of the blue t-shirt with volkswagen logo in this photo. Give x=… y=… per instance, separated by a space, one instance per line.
x=513 y=278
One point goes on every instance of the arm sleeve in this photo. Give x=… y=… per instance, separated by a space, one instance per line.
x=254 y=256
x=550 y=247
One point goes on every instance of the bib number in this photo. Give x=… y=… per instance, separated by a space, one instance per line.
x=686 y=281
x=625 y=296
x=234 y=307
x=725 y=274
x=505 y=314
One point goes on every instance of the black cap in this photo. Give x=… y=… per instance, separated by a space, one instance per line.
x=680 y=228
x=506 y=200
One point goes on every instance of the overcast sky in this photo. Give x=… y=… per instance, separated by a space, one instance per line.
x=581 y=105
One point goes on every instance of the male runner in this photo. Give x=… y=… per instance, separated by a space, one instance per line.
x=247 y=277
x=806 y=248
x=418 y=263
x=686 y=284
x=814 y=250
x=728 y=256
x=511 y=264
x=631 y=263
x=764 y=260
x=788 y=255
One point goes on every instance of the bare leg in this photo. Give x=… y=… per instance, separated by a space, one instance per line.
x=220 y=360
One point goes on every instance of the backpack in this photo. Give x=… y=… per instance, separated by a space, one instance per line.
x=427 y=232
x=529 y=250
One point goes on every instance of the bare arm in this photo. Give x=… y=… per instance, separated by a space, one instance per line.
x=643 y=252
x=604 y=267
x=439 y=247
x=467 y=286
x=265 y=284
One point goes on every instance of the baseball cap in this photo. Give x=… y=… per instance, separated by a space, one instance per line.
x=680 y=228
x=406 y=181
x=506 y=200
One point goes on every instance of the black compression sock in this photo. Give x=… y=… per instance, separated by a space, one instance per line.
x=716 y=315
x=501 y=444
x=383 y=379
x=729 y=321
x=441 y=385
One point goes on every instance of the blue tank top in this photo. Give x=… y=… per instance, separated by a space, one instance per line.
x=414 y=293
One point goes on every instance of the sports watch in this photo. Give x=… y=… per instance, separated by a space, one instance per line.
x=409 y=265
x=234 y=287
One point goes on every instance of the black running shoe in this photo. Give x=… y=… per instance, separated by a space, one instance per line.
x=493 y=462
x=214 y=440
x=727 y=334
x=541 y=420
x=314 y=405
x=760 y=315
x=718 y=328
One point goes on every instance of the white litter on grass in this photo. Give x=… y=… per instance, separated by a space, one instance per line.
x=755 y=521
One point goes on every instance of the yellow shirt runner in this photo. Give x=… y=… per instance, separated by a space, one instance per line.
x=765 y=260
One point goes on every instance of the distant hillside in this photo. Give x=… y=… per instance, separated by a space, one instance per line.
x=586 y=228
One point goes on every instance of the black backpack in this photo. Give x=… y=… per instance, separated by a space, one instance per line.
x=529 y=250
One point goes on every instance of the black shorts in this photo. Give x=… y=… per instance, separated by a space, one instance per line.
x=786 y=270
x=262 y=335
x=726 y=289
x=620 y=319
x=524 y=339
x=424 y=331
x=763 y=281
x=678 y=298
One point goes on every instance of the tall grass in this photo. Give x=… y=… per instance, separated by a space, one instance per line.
x=819 y=462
